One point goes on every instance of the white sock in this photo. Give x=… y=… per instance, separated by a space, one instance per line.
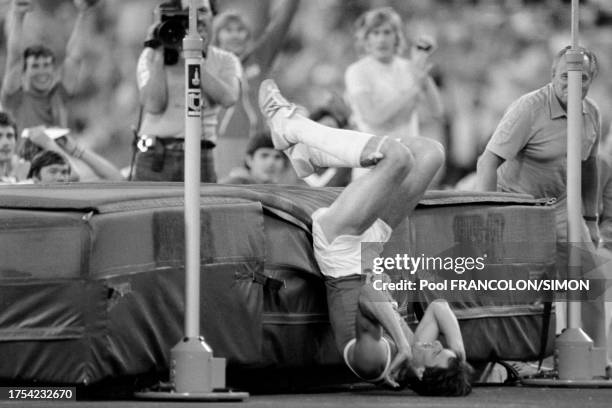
x=322 y=159
x=344 y=145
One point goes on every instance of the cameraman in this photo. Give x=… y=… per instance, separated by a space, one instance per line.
x=161 y=82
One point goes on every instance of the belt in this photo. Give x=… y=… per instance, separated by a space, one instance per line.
x=147 y=142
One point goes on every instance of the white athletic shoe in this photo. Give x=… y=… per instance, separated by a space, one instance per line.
x=299 y=157
x=275 y=108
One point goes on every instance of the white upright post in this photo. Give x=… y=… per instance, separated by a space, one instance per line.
x=576 y=359
x=192 y=49
x=574 y=347
x=194 y=372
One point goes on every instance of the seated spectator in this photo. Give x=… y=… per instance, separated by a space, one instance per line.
x=263 y=163
x=49 y=167
x=8 y=140
x=77 y=155
x=330 y=177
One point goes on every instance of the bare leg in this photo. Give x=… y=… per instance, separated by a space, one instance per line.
x=428 y=158
x=390 y=191
x=364 y=200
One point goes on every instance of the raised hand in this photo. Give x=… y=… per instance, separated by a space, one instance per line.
x=425 y=44
x=83 y=5
x=21 y=7
x=38 y=136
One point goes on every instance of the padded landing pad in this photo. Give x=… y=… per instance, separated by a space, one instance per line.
x=92 y=277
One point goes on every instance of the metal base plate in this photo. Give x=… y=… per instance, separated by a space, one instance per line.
x=552 y=382
x=192 y=396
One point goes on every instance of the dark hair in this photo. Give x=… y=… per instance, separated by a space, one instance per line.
x=214 y=6
x=321 y=113
x=44 y=159
x=7 y=120
x=27 y=149
x=593 y=63
x=260 y=141
x=452 y=381
x=37 y=51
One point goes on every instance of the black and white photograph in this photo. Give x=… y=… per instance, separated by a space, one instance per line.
x=306 y=203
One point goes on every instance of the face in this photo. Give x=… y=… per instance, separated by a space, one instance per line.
x=560 y=80
x=431 y=355
x=381 y=42
x=205 y=18
x=233 y=37
x=7 y=143
x=39 y=74
x=54 y=173
x=266 y=165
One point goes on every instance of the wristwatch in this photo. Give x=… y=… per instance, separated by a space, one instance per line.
x=589 y=217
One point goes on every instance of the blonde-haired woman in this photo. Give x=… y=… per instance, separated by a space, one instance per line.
x=383 y=88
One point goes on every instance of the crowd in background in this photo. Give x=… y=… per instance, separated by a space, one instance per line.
x=466 y=62
x=489 y=53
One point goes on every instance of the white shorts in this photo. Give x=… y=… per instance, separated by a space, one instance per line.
x=343 y=256
x=382 y=375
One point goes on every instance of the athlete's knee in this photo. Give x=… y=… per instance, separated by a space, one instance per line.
x=398 y=157
x=428 y=151
x=434 y=149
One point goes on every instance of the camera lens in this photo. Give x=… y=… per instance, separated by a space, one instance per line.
x=171 y=33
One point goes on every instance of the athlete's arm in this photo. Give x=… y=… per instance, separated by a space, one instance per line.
x=440 y=319
x=376 y=313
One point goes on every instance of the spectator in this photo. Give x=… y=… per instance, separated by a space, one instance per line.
x=383 y=88
x=605 y=203
x=49 y=167
x=34 y=87
x=263 y=163
x=330 y=176
x=527 y=154
x=231 y=33
x=605 y=232
x=75 y=154
x=162 y=94
x=11 y=170
x=243 y=120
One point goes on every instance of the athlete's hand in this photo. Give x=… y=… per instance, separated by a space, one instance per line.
x=399 y=363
